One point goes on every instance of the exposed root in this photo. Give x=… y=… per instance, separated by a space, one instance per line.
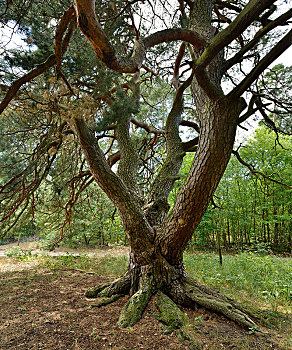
x=170 y=314
x=173 y=287
x=93 y=292
x=215 y=301
x=177 y=321
x=121 y=286
x=107 y=301
x=134 y=308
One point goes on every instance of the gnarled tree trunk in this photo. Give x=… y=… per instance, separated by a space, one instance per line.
x=158 y=238
x=157 y=242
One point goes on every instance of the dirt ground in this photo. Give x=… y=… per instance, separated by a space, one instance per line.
x=41 y=309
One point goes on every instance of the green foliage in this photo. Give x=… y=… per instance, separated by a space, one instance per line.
x=33 y=121
x=253 y=213
x=93 y=222
x=12 y=148
x=266 y=278
x=19 y=254
x=37 y=31
x=29 y=230
x=15 y=252
x=277 y=84
x=122 y=107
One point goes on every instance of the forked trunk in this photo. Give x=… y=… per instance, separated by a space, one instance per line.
x=156 y=259
x=158 y=238
x=218 y=126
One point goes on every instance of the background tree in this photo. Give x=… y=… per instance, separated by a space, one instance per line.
x=92 y=103
x=254 y=212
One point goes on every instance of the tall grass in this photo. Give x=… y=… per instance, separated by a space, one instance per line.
x=267 y=278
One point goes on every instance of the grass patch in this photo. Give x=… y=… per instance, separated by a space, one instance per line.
x=264 y=278
x=106 y=266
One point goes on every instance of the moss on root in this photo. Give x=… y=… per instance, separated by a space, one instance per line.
x=106 y=301
x=177 y=320
x=170 y=314
x=94 y=291
x=134 y=308
x=187 y=292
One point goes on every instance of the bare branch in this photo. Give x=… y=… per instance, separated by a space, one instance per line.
x=113 y=158
x=190 y=124
x=175 y=34
x=224 y=4
x=61 y=47
x=282 y=45
x=93 y=31
x=41 y=68
x=68 y=16
x=190 y=146
x=227 y=20
x=146 y=127
x=270 y=26
x=178 y=60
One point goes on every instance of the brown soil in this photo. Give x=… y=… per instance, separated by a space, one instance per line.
x=46 y=310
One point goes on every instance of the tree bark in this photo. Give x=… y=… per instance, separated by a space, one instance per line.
x=218 y=126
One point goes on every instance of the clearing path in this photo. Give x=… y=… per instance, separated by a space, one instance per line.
x=115 y=250
x=7 y=265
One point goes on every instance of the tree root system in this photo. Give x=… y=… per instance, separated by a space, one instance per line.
x=184 y=291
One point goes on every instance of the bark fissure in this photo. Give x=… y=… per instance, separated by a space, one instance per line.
x=214 y=150
x=218 y=116
x=156 y=207
x=127 y=169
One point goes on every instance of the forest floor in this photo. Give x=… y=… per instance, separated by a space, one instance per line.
x=45 y=308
